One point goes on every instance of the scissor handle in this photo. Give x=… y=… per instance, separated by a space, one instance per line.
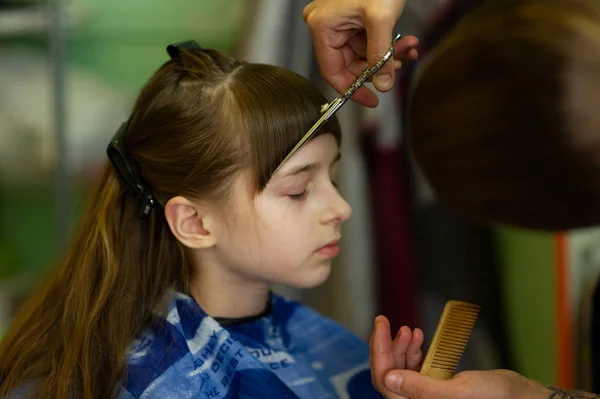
x=329 y=109
x=369 y=72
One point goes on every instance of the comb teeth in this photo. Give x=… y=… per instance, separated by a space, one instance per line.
x=450 y=339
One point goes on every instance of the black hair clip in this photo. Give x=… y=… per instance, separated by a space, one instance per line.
x=119 y=157
x=173 y=49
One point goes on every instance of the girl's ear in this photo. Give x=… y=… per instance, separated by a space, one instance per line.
x=189 y=222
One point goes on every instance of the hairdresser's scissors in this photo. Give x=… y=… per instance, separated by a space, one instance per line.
x=328 y=110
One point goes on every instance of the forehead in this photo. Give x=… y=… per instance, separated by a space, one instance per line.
x=317 y=149
x=321 y=150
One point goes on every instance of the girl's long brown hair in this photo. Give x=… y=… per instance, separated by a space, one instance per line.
x=199 y=120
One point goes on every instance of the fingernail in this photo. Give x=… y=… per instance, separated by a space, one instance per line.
x=384 y=82
x=393 y=381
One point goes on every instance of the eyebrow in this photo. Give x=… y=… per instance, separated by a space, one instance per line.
x=308 y=167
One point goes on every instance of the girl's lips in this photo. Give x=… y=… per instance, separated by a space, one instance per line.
x=330 y=250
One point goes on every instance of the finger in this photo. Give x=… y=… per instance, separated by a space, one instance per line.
x=332 y=64
x=400 y=345
x=332 y=58
x=417 y=386
x=381 y=357
x=357 y=67
x=379 y=26
x=414 y=354
x=404 y=46
x=307 y=10
x=358 y=44
x=365 y=96
x=354 y=64
x=331 y=50
x=412 y=54
x=381 y=341
x=342 y=81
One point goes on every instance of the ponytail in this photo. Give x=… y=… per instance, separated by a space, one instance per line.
x=70 y=337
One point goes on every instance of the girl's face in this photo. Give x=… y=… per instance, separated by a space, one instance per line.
x=287 y=234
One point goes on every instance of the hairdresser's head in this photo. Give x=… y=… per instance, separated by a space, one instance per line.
x=505 y=121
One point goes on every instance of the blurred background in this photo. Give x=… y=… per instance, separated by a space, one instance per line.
x=70 y=71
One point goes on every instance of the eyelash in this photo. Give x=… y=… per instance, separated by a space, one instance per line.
x=303 y=194
x=298 y=197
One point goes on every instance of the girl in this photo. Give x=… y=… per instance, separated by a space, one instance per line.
x=165 y=290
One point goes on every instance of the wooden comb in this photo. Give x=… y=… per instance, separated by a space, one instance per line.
x=450 y=339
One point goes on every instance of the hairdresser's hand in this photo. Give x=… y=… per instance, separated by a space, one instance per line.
x=404 y=352
x=496 y=384
x=348 y=33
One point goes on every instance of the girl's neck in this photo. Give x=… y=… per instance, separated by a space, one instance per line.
x=227 y=295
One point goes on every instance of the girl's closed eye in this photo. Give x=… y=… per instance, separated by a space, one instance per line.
x=299 y=196
x=299 y=192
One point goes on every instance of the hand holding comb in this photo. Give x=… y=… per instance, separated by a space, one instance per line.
x=450 y=339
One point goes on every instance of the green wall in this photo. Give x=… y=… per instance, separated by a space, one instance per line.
x=529 y=281
x=121 y=42
x=125 y=41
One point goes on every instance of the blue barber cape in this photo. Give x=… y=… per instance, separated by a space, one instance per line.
x=293 y=352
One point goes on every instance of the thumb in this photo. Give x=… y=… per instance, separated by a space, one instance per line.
x=379 y=38
x=417 y=386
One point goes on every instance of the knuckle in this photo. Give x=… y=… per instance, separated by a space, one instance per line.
x=309 y=10
x=375 y=57
x=310 y=17
x=419 y=390
x=377 y=15
x=306 y=13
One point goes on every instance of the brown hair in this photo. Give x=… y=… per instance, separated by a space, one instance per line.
x=199 y=120
x=503 y=120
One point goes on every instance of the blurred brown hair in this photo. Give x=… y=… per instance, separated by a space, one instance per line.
x=198 y=121
x=504 y=120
